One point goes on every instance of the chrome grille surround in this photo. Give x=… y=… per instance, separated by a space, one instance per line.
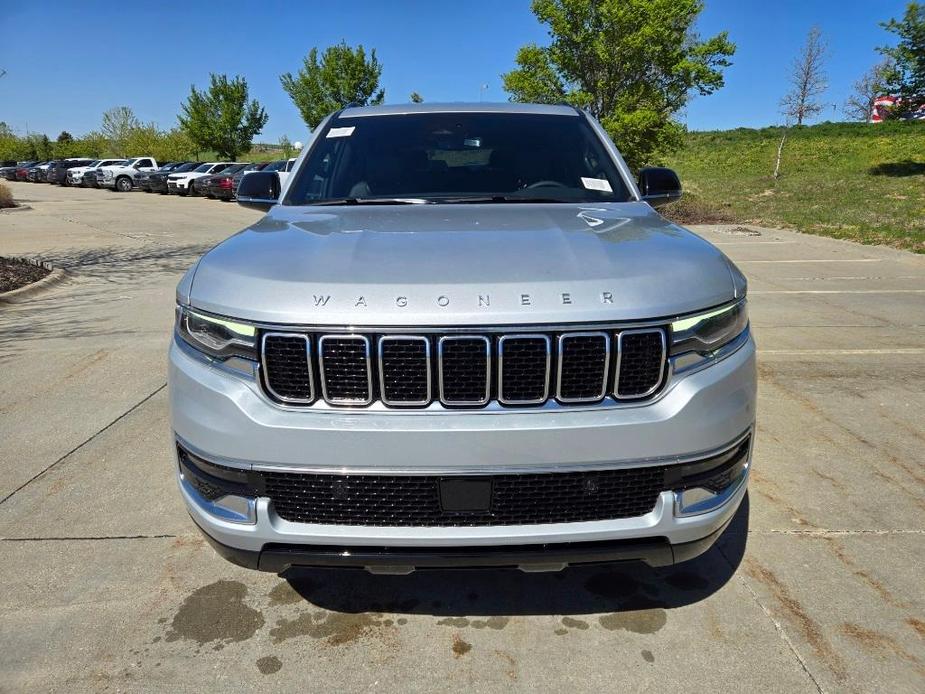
x=386 y=340
x=605 y=375
x=442 y=344
x=308 y=358
x=661 y=380
x=325 y=391
x=523 y=337
x=488 y=343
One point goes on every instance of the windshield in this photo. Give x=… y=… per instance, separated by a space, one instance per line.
x=186 y=167
x=459 y=157
x=203 y=168
x=275 y=165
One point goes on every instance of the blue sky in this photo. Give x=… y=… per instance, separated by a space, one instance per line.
x=67 y=62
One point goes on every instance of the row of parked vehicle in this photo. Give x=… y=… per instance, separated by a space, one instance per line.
x=215 y=179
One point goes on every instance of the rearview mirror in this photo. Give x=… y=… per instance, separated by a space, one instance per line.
x=259 y=190
x=659 y=186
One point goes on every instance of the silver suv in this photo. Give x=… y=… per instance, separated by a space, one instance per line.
x=461 y=336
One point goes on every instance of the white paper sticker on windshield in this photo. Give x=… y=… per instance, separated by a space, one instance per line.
x=341 y=132
x=596 y=184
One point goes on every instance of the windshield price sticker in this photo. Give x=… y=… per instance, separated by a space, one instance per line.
x=596 y=184
x=341 y=132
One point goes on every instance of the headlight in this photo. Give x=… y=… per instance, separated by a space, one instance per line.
x=217 y=337
x=707 y=332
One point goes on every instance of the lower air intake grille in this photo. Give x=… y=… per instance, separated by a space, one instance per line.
x=377 y=500
x=642 y=363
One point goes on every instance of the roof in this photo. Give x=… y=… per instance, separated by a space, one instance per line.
x=502 y=107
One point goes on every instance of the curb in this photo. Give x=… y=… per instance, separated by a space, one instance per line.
x=56 y=276
x=16 y=208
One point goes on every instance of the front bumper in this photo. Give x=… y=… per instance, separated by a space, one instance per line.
x=225 y=418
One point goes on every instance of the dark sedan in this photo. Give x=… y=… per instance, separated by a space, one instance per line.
x=223 y=186
x=36 y=174
x=202 y=185
x=157 y=180
x=142 y=180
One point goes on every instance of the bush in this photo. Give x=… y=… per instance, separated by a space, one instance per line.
x=6 y=197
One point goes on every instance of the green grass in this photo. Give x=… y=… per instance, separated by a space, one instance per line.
x=857 y=181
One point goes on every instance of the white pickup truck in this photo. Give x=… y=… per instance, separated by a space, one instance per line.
x=121 y=177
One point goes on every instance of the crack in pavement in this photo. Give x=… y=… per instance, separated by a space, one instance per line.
x=76 y=448
x=778 y=627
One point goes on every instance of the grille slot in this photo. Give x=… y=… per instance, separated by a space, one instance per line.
x=404 y=370
x=287 y=368
x=523 y=369
x=583 y=362
x=464 y=363
x=640 y=363
x=346 y=376
x=518 y=499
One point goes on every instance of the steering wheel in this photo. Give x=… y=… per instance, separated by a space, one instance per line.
x=540 y=184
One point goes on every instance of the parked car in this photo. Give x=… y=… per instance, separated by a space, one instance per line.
x=141 y=181
x=60 y=173
x=182 y=183
x=22 y=172
x=461 y=337
x=121 y=177
x=157 y=181
x=222 y=186
x=203 y=186
x=284 y=172
x=78 y=176
x=9 y=172
x=36 y=174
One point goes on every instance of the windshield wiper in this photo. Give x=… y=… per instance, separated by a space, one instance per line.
x=373 y=201
x=479 y=199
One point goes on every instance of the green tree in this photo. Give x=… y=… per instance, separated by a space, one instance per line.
x=222 y=118
x=286 y=146
x=118 y=124
x=633 y=64
x=65 y=136
x=342 y=76
x=416 y=98
x=906 y=79
x=174 y=145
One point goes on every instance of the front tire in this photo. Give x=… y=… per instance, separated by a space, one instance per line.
x=124 y=184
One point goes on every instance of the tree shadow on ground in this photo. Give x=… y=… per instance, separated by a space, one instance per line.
x=580 y=590
x=898 y=169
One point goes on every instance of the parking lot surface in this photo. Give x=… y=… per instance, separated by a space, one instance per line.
x=107 y=586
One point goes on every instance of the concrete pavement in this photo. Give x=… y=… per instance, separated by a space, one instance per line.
x=108 y=587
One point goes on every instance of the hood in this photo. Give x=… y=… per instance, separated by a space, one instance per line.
x=461 y=264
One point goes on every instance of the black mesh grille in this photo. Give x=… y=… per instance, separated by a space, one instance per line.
x=524 y=373
x=583 y=367
x=288 y=371
x=405 y=370
x=375 y=500
x=465 y=370
x=641 y=363
x=345 y=368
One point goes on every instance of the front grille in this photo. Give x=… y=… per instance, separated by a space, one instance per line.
x=641 y=362
x=470 y=370
x=404 y=368
x=383 y=500
x=524 y=367
x=345 y=372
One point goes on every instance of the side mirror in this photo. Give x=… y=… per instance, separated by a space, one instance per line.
x=259 y=190
x=659 y=186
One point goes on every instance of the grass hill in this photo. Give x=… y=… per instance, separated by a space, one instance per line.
x=858 y=181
